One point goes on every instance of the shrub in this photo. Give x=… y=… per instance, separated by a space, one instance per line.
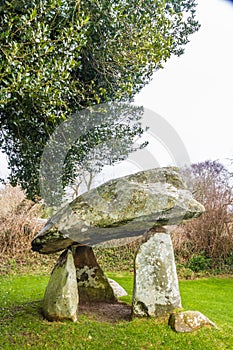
x=208 y=240
x=118 y=258
x=18 y=221
x=199 y=263
x=185 y=272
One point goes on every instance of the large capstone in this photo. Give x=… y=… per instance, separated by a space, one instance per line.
x=93 y=285
x=61 y=295
x=120 y=209
x=156 y=290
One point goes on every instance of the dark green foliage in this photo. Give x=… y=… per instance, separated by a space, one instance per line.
x=199 y=263
x=59 y=56
x=118 y=258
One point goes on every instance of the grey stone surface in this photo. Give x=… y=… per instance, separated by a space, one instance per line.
x=118 y=290
x=120 y=209
x=93 y=285
x=156 y=290
x=189 y=321
x=61 y=295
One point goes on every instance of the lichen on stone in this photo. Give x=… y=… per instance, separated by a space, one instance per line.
x=120 y=208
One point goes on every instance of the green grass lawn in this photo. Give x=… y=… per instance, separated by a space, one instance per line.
x=22 y=326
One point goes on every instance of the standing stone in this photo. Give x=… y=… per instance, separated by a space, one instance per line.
x=156 y=290
x=61 y=295
x=93 y=285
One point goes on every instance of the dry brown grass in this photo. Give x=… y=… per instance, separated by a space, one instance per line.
x=18 y=225
x=201 y=236
x=210 y=235
x=18 y=221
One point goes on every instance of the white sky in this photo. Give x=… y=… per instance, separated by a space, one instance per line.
x=193 y=93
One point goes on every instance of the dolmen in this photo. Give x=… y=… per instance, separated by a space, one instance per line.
x=143 y=205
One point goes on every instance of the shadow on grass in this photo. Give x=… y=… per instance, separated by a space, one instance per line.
x=11 y=312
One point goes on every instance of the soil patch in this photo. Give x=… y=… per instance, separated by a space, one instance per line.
x=106 y=312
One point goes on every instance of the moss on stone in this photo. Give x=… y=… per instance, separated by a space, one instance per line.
x=126 y=206
x=108 y=192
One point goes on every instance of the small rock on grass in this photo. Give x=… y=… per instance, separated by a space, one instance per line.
x=118 y=290
x=189 y=321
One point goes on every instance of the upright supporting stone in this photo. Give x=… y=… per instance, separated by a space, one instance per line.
x=61 y=295
x=93 y=285
x=156 y=290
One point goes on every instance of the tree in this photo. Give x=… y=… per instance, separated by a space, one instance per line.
x=107 y=130
x=60 y=56
x=116 y=142
x=211 y=235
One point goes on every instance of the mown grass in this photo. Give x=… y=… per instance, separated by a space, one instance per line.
x=23 y=327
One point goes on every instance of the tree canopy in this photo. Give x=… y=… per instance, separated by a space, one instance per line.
x=60 y=56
